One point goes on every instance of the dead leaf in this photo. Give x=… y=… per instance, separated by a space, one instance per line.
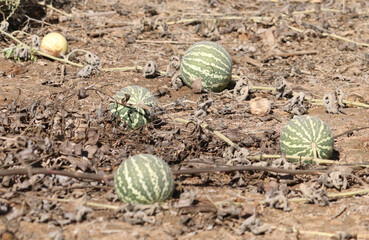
x=197 y=85
x=268 y=37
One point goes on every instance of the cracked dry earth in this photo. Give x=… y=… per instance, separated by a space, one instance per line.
x=52 y=118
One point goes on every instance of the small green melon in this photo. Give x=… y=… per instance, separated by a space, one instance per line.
x=307 y=136
x=133 y=115
x=144 y=179
x=208 y=61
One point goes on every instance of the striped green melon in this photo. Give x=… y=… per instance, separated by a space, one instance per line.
x=145 y=179
x=307 y=136
x=211 y=62
x=132 y=115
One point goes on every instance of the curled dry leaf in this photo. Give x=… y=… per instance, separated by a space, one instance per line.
x=334 y=179
x=238 y=180
x=82 y=212
x=150 y=69
x=339 y=96
x=4 y=25
x=242 y=89
x=173 y=66
x=330 y=105
x=268 y=37
x=197 y=86
x=203 y=108
x=5 y=207
x=254 y=225
x=93 y=60
x=36 y=42
x=316 y=196
x=277 y=199
x=283 y=88
x=186 y=199
x=177 y=81
x=296 y=105
x=228 y=211
x=86 y=71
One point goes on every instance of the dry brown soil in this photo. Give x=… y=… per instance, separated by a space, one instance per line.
x=204 y=206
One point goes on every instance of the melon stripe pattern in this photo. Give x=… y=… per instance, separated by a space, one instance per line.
x=144 y=179
x=211 y=62
x=133 y=116
x=303 y=134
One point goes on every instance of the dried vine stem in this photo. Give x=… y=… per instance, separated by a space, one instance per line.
x=84 y=202
x=319 y=101
x=266 y=156
x=107 y=178
x=217 y=133
x=249 y=168
x=297 y=158
x=332 y=35
x=331 y=195
x=350 y=131
x=48 y=171
x=67 y=61
x=54 y=9
x=298 y=231
x=289 y=54
x=316 y=160
x=39 y=52
x=189 y=20
x=125 y=69
x=317 y=233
